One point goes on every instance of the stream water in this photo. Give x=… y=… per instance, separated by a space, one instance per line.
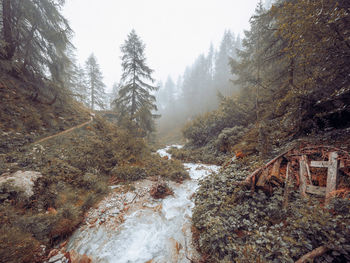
x=149 y=230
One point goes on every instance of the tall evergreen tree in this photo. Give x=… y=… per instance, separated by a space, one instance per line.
x=222 y=74
x=135 y=100
x=95 y=82
x=35 y=38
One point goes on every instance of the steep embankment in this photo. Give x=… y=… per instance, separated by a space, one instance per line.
x=74 y=158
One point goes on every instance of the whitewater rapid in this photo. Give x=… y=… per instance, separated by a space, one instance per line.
x=149 y=231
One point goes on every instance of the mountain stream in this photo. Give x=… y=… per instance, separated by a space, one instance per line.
x=131 y=226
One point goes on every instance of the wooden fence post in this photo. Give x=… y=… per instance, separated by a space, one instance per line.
x=302 y=170
x=332 y=175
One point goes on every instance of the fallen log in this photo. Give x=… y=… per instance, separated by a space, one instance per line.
x=313 y=254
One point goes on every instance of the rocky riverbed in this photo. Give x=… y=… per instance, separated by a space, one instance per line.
x=130 y=226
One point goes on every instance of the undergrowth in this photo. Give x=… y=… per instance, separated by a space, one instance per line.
x=77 y=168
x=235 y=224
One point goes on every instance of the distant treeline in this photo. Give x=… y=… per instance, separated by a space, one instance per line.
x=290 y=77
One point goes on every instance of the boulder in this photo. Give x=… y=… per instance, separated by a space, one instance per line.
x=23 y=180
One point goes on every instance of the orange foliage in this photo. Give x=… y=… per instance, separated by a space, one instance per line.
x=240 y=155
x=52 y=211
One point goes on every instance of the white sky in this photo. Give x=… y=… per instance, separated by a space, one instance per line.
x=175 y=32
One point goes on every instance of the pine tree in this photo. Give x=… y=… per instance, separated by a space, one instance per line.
x=223 y=74
x=135 y=101
x=95 y=82
x=80 y=85
x=35 y=38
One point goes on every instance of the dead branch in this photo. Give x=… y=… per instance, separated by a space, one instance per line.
x=313 y=254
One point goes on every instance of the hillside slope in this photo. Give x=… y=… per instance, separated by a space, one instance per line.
x=76 y=156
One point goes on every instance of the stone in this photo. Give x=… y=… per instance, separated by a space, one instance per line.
x=23 y=180
x=53 y=252
x=56 y=258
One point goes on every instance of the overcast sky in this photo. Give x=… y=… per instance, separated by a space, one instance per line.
x=175 y=32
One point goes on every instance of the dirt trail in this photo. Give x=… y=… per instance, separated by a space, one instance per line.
x=66 y=131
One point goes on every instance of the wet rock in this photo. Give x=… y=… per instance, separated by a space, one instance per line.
x=56 y=258
x=130 y=197
x=23 y=180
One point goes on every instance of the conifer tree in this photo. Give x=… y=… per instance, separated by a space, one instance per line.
x=135 y=101
x=222 y=74
x=95 y=83
x=35 y=38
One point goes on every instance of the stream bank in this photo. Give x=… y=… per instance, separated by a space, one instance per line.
x=131 y=226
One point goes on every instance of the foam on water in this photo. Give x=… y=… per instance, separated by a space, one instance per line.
x=160 y=235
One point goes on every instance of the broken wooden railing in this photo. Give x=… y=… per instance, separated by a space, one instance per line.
x=299 y=158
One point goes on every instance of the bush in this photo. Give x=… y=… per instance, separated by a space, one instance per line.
x=207 y=127
x=17 y=246
x=39 y=225
x=167 y=169
x=229 y=137
x=237 y=225
x=68 y=218
x=129 y=173
x=93 y=182
x=8 y=191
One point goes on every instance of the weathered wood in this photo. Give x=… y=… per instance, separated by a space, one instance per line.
x=312 y=254
x=263 y=177
x=332 y=175
x=276 y=168
x=286 y=188
x=319 y=164
x=257 y=171
x=307 y=169
x=324 y=164
x=316 y=190
x=302 y=170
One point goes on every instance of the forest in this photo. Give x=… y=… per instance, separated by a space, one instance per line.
x=247 y=151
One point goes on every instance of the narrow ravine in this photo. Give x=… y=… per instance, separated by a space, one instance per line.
x=133 y=227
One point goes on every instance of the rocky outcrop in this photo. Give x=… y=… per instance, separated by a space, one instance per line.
x=24 y=181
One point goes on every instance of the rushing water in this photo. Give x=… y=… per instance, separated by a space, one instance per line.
x=158 y=231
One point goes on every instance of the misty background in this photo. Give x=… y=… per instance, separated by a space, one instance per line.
x=188 y=45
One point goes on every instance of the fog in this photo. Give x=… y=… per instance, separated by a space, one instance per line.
x=188 y=45
x=175 y=32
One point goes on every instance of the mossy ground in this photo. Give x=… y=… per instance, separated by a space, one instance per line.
x=77 y=168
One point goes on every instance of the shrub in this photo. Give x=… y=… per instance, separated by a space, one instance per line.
x=207 y=127
x=129 y=173
x=229 y=137
x=8 y=191
x=237 y=225
x=39 y=225
x=68 y=218
x=17 y=246
x=167 y=169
